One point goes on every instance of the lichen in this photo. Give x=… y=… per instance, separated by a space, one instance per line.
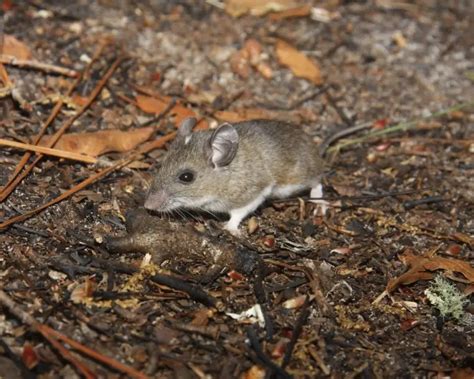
x=445 y=297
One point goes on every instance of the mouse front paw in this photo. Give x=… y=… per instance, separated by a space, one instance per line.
x=232 y=229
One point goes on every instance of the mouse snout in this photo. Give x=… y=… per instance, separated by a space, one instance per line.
x=156 y=200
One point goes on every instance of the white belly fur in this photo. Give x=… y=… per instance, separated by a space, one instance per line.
x=271 y=191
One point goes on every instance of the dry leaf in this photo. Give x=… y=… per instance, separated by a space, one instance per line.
x=422 y=268
x=301 y=11
x=157 y=104
x=254 y=372
x=295 y=302
x=15 y=48
x=462 y=373
x=399 y=39
x=250 y=55
x=101 y=142
x=29 y=356
x=298 y=63
x=242 y=115
x=238 y=8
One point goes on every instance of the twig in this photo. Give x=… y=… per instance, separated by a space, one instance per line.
x=94 y=354
x=53 y=337
x=262 y=357
x=426 y=200
x=121 y=163
x=35 y=65
x=9 y=188
x=297 y=103
x=194 y=292
x=339 y=110
x=48 y=151
x=303 y=316
x=400 y=127
x=350 y=198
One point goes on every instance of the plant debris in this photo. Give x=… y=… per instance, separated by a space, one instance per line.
x=92 y=285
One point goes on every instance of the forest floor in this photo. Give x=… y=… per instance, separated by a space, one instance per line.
x=381 y=286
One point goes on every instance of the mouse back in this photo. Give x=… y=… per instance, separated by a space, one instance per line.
x=221 y=169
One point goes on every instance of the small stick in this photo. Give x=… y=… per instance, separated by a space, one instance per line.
x=400 y=127
x=10 y=186
x=426 y=200
x=35 y=65
x=53 y=337
x=92 y=179
x=48 y=151
x=262 y=357
x=301 y=320
x=9 y=189
x=93 y=354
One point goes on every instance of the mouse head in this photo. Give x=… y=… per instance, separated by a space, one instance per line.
x=193 y=173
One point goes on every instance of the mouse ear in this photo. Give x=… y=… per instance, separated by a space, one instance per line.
x=186 y=127
x=223 y=145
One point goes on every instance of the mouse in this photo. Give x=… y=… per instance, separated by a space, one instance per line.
x=235 y=168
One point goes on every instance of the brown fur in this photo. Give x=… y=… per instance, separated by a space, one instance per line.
x=269 y=153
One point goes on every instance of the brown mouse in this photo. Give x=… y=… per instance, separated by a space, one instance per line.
x=235 y=168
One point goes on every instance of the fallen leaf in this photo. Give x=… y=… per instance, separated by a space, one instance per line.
x=323 y=15
x=101 y=142
x=341 y=251
x=239 y=63
x=237 y=8
x=298 y=62
x=278 y=350
x=242 y=115
x=157 y=104
x=29 y=357
x=82 y=291
x=252 y=225
x=254 y=372
x=15 y=48
x=250 y=55
x=422 y=268
x=399 y=39
x=453 y=249
x=301 y=11
x=408 y=324
x=462 y=373
x=380 y=124
x=295 y=302
x=201 y=317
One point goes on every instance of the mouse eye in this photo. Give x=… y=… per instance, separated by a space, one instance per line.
x=186 y=177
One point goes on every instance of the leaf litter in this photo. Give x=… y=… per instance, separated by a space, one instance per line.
x=365 y=61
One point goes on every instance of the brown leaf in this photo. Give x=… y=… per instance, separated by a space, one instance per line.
x=101 y=142
x=422 y=268
x=301 y=11
x=298 y=62
x=201 y=317
x=254 y=372
x=462 y=373
x=29 y=357
x=250 y=55
x=15 y=48
x=242 y=114
x=157 y=104
x=238 y=8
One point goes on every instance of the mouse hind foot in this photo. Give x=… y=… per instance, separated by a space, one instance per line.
x=322 y=205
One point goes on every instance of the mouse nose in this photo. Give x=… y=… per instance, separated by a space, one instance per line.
x=155 y=201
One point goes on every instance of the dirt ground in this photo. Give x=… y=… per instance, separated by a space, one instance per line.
x=399 y=200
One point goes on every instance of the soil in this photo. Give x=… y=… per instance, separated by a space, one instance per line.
x=317 y=279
